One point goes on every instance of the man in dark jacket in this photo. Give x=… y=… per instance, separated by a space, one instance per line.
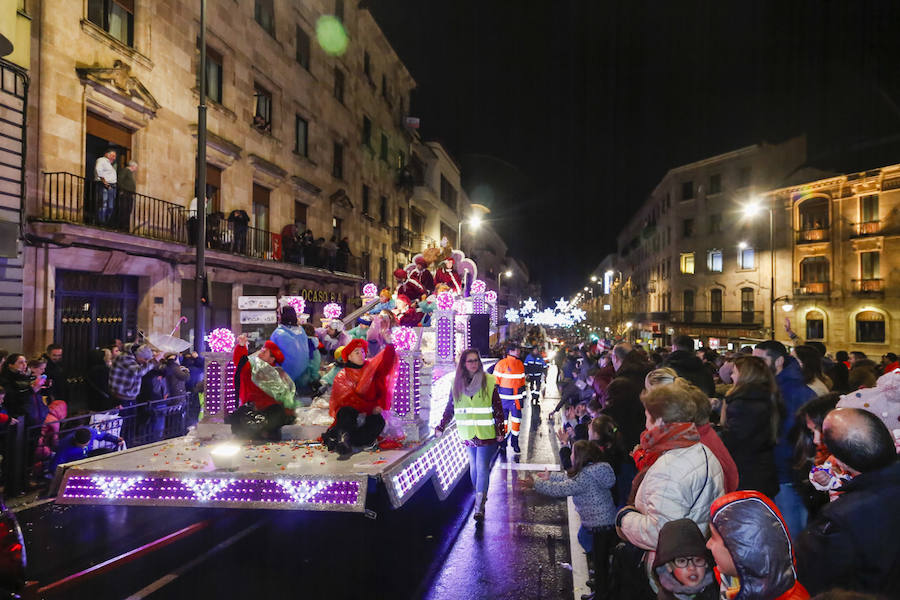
x=854 y=543
x=56 y=373
x=687 y=365
x=794 y=394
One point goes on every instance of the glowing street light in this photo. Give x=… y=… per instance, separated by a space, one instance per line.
x=594 y=278
x=742 y=245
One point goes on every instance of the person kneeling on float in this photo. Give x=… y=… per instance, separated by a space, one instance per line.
x=359 y=395
x=265 y=391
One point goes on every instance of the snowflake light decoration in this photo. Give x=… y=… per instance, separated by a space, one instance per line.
x=332 y=310
x=490 y=296
x=512 y=315
x=577 y=315
x=445 y=301
x=404 y=338
x=478 y=286
x=370 y=289
x=528 y=306
x=220 y=340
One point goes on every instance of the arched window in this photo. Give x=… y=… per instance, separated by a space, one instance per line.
x=815 y=325
x=688 y=305
x=870 y=327
x=747 y=306
x=715 y=305
x=814 y=275
x=814 y=215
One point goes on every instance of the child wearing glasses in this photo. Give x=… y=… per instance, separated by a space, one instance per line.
x=682 y=566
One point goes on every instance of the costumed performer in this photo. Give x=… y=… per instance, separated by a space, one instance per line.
x=359 y=395
x=375 y=337
x=293 y=343
x=332 y=335
x=386 y=302
x=336 y=367
x=362 y=328
x=309 y=381
x=265 y=391
x=422 y=275
x=448 y=275
x=407 y=286
x=408 y=314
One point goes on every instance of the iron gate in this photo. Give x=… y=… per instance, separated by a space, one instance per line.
x=92 y=310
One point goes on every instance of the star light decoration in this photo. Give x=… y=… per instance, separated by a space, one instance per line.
x=220 y=340
x=562 y=305
x=529 y=306
x=332 y=310
x=564 y=315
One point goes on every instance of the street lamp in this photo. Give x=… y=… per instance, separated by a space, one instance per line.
x=594 y=278
x=474 y=223
x=506 y=273
x=751 y=210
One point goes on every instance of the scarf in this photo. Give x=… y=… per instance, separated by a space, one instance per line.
x=474 y=386
x=656 y=442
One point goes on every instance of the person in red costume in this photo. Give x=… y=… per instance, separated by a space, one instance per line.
x=422 y=275
x=362 y=388
x=259 y=416
x=449 y=276
x=408 y=287
x=407 y=315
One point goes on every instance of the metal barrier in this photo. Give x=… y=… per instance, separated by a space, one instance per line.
x=30 y=450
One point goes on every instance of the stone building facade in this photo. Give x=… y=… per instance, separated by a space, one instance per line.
x=296 y=136
x=840 y=271
x=690 y=262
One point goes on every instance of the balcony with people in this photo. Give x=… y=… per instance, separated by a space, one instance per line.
x=814 y=277
x=71 y=199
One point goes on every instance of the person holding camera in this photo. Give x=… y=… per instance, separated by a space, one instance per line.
x=23 y=390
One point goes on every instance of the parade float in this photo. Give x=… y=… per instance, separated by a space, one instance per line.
x=210 y=468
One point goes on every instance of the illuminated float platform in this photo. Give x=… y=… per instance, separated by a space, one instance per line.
x=293 y=474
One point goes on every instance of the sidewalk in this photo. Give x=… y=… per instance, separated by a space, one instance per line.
x=518 y=551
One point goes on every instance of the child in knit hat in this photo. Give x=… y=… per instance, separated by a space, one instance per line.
x=683 y=568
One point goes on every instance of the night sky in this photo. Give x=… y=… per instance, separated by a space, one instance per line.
x=564 y=115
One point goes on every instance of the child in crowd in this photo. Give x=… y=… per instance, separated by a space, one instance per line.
x=77 y=445
x=682 y=567
x=588 y=482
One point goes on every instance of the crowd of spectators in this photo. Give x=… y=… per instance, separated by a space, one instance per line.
x=301 y=247
x=779 y=467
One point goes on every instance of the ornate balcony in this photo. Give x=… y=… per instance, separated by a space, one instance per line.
x=868 y=287
x=718 y=317
x=812 y=288
x=814 y=235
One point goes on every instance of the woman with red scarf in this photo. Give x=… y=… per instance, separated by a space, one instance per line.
x=678 y=477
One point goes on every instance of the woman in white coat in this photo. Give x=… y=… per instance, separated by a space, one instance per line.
x=678 y=477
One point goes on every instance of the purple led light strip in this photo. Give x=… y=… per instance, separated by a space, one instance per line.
x=230 y=399
x=446 y=458
x=213 y=397
x=121 y=489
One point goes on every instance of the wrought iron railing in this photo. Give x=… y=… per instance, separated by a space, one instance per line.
x=867 y=228
x=812 y=288
x=718 y=317
x=868 y=286
x=813 y=235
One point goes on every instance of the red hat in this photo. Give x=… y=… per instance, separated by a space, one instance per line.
x=353 y=345
x=400 y=274
x=275 y=350
x=404 y=298
x=420 y=260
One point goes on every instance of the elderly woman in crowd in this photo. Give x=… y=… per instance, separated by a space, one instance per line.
x=678 y=476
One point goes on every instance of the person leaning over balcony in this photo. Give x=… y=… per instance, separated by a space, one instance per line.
x=105 y=175
x=125 y=199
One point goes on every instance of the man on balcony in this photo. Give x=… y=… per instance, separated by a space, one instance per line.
x=105 y=179
x=125 y=199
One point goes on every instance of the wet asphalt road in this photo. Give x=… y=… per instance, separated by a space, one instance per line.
x=427 y=549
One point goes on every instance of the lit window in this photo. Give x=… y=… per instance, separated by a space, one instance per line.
x=687 y=263
x=746 y=258
x=870 y=327
x=116 y=17
x=714 y=261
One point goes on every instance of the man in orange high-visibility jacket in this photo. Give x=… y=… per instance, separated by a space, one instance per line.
x=510 y=374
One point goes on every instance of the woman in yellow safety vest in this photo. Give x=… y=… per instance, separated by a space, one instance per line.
x=476 y=406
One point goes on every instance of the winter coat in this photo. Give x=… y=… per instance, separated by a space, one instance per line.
x=59 y=381
x=623 y=404
x=756 y=537
x=687 y=365
x=747 y=433
x=794 y=394
x=854 y=543
x=21 y=399
x=711 y=439
x=590 y=491
x=97 y=381
x=69 y=451
x=49 y=438
x=196 y=366
x=177 y=378
x=682 y=483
